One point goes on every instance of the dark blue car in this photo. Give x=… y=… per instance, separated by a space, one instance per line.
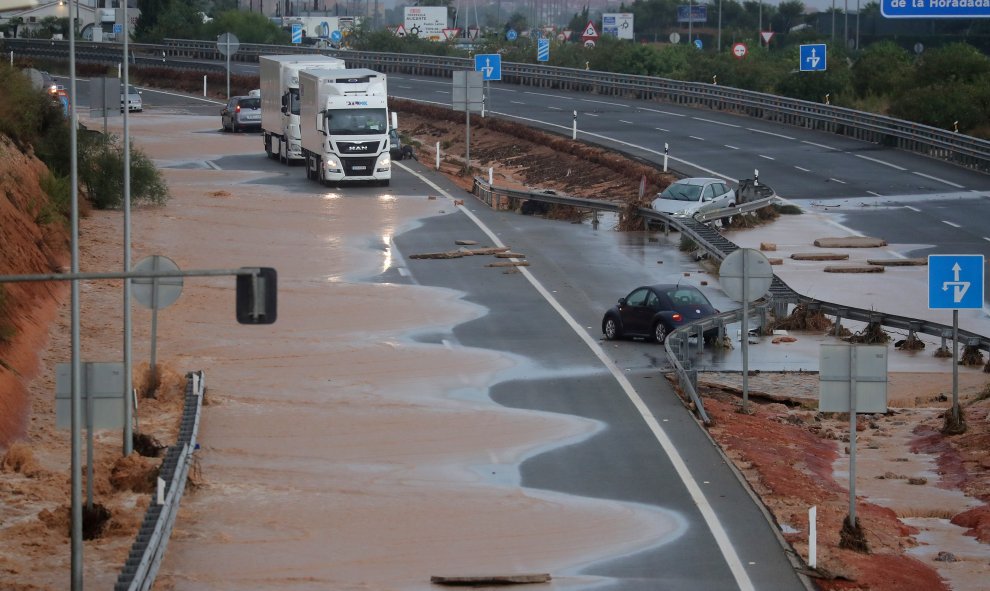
x=653 y=311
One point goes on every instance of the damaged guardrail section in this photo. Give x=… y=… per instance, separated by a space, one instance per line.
x=146 y=554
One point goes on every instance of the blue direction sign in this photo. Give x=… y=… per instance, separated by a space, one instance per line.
x=335 y=36
x=812 y=58
x=297 y=33
x=955 y=281
x=511 y=34
x=934 y=9
x=543 y=50
x=118 y=28
x=489 y=64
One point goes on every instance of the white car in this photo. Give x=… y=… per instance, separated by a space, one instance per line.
x=693 y=195
x=133 y=97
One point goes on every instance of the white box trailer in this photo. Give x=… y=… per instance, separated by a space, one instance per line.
x=345 y=125
x=280 y=100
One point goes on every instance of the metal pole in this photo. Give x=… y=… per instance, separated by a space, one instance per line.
x=845 y=26
x=852 y=435
x=76 y=420
x=857 y=25
x=690 y=20
x=720 y=25
x=833 y=20
x=467 y=139
x=128 y=362
x=955 y=366
x=759 y=34
x=228 y=66
x=89 y=438
x=745 y=334
x=154 y=324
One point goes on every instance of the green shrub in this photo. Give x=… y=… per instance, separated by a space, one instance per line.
x=57 y=208
x=687 y=245
x=101 y=173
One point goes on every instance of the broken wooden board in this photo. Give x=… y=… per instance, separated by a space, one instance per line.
x=898 y=262
x=820 y=256
x=853 y=269
x=454 y=254
x=461 y=252
x=465 y=242
x=509 y=255
x=485 y=580
x=850 y=242
x=521 y=264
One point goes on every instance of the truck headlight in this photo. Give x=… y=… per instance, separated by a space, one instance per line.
x=384 y=163
x=332 y=164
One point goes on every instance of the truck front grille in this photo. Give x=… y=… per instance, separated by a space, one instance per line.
x=358 y=166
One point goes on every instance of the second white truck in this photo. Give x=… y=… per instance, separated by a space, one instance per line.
x=280 y=101
x=345 y=126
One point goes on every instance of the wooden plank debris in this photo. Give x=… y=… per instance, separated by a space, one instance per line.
x=850 y=242
x=820 y=256
x=465 y=242
x=853 y=269
x=461 y=252
x=486 y=580
x=509 y=255
x=524 y=264
x=898 y=262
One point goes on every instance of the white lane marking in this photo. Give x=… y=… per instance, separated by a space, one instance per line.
x=879 y=162
x=874 y=193
x=522 y=103
x=556 y=96
x=694 y=489
x=914 y=209
x=819 y=145
x=801 y=168
x=661 y=111
x=935 y=178
x=769 y=158
x=701 y=139
x=213 y=165
x=662 y=129
x=185 y=96
x=604 y=103
x=441 y=92
x=446 y=343
x=948 y=223
x=987 y=239
x=837 y=181
x=730 y=147
x=590 y=114
x=715 y=122
x=559 y=109
x=403 y=271
x=631 y=123
x=786 y=137
x=400 y=86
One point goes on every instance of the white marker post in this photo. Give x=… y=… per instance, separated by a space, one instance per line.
x=438 y=155
x=204 y=84
x=574 y=127
x=666 y=148
x=491 y=180
x=813 y=537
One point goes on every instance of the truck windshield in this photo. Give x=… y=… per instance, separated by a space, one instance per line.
x=356 y=121
x=294 y=101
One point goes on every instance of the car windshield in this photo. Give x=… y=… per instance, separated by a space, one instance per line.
x=682 y=192
x=252 y=103
x=356 y=121
x=687 y=297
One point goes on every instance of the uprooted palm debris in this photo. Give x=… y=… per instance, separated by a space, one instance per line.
x=873 y=334
x=911 y=343
x=801 y=318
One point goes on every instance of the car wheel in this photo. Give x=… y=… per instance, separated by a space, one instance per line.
x=660 y=333
x=611 y=329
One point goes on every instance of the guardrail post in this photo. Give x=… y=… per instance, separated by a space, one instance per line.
x=838 y=322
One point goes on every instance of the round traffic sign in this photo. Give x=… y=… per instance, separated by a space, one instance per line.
x=675 y=37
x=590 y=43
x=335 y=36
x=157 y=292
x=228 y=42
x=697 y=43
x=511 y=34
x=745 y=270
x=739 y=50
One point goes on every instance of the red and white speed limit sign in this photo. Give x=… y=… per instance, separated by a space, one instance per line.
x=739 y=50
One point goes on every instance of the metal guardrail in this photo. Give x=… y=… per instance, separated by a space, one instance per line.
x=718 y=247
x=141 y=567
x=937 y=143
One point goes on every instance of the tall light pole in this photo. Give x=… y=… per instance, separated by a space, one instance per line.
x=845 y=27
x=759 y=34
x=720 y=26
x=833 y=20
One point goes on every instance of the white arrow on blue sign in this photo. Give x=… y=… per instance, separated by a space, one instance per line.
x=297 y=33
x=812 y=58
x=335 y=36
x=489 y=64
x=955 y=281
x=543 y=50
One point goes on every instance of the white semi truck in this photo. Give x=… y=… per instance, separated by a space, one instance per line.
x=345 y=125
x=280 y=101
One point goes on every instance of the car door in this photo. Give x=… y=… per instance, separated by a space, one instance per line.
x=708 y=198
x=636 y=313
x=226 y=115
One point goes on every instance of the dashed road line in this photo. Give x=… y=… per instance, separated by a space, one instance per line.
x=590 y=114
x=730 y=147
x=662 y=111
x=518 y=103
x=948 y=223
x=874 y=193
x=624 y=121
x=555 y=108
x=935 y=178
x=604 y=103
x=837 y=181
x=715 y=122
x=801 y=168
x=694 y=137
x=914 y=209
x=662 y=129
x=767 y=157
x=819 y=145
x=879 y=162
x=786 y=137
